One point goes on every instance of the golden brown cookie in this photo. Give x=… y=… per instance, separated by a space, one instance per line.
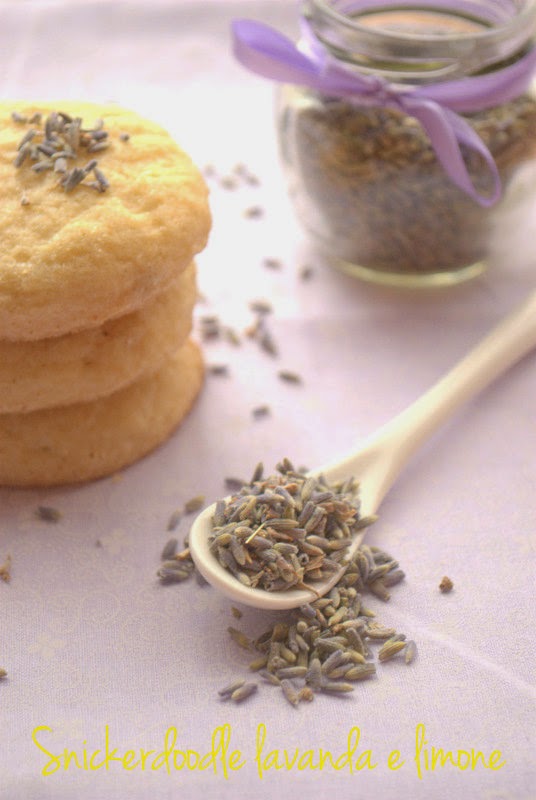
x=74 y=256
x=79 y=367
x=90 y=440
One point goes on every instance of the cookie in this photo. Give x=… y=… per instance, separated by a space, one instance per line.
x=90 y=440
x=74 y=256
x=79 y=367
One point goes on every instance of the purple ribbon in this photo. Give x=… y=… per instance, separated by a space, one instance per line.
x=268 y=53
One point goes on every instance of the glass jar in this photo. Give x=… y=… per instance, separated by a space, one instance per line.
x=377 y=195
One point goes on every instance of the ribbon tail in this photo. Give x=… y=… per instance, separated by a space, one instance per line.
x=267 y=52
x=447 y=131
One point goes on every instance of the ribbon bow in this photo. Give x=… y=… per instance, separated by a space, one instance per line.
x=268 y=53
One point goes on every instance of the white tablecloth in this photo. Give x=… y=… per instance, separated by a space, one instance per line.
x=90 y=639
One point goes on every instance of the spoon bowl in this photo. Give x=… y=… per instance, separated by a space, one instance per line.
x=377 y=464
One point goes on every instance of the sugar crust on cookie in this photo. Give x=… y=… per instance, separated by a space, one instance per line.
x=71 y=261
x=82 y=366
x=91 y=440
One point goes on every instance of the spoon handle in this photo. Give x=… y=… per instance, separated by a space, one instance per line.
x=513 y=338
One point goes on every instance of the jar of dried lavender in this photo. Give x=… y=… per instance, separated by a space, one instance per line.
x=402 y=128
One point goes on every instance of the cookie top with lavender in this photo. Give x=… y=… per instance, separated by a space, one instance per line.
x=100 y=209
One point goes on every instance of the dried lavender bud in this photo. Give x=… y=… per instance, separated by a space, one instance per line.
x=60 y=138
x=446 y=584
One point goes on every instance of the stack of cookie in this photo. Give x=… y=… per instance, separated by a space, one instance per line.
x=101 y=215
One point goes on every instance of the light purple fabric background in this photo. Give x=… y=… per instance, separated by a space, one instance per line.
x=89 y=637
